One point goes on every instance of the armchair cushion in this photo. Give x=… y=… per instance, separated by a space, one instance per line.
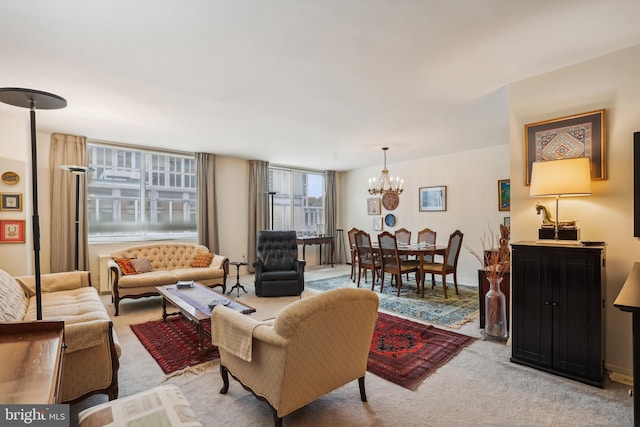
x=13 y=301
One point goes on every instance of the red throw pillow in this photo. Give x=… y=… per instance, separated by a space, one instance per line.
x=202 y=260
x=125 y=265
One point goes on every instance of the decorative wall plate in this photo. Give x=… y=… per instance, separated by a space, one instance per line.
x=390 y=220
x=390 y=201
x=10 y=178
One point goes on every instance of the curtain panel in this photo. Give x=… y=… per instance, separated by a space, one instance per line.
x=68 y=150
x=207 y=206
x=258 y=206
x=330 y=211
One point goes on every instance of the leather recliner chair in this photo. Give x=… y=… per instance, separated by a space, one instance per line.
x=278 y=271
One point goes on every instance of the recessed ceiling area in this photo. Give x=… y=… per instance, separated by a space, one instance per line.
x=315 y=84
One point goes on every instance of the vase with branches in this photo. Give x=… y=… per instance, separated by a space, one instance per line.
x=494 y=263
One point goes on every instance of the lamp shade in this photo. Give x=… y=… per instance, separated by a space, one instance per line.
x=566 y=177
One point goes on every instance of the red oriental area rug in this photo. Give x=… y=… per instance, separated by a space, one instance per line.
x=402 y=352
x=174 y=343
x=405 y=352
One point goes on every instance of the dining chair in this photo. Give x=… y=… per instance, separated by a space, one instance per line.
x=449 y=264
x=354 y=252
x=428 y=236
x=391 y=262
x=403 y=236
x=368 y=259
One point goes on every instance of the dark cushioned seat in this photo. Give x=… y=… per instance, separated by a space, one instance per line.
x=279 y=272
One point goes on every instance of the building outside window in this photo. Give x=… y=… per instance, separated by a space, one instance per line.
x=298 y=202
x=140 y=194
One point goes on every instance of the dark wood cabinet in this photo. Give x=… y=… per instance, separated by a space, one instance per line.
x=557 y=300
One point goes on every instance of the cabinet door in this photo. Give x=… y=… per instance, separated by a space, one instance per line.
x=532 y=314
x=577 y=313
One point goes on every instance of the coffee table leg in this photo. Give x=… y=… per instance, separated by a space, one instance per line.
x=164 y=309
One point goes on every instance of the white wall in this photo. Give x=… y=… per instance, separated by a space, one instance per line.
x=471 y=179
x=609 y=82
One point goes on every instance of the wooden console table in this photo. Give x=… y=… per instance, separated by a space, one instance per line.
x=31 y=368
x=321 y=240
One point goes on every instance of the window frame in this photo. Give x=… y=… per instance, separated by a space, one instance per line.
x=150 y=167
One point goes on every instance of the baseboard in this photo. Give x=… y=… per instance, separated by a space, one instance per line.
x=620 y=378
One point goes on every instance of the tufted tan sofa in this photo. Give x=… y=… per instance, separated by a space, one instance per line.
x=90 y=364
x=171 y=263
x=311 y=348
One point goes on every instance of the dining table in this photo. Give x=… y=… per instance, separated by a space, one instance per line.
x=419 y=250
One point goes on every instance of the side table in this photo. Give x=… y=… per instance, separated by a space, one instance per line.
x=237 y=286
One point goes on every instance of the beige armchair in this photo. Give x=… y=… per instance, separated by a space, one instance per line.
x=311 y=348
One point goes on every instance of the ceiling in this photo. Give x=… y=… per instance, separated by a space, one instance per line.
x=320 y=84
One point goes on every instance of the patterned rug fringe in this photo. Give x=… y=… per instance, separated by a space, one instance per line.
x=195 y=370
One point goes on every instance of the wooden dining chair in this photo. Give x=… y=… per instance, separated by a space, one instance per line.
x=368 y=259
x=449 y=264
x=354 y=252
x=428 y=236
x=403 y=236
x=391 y=262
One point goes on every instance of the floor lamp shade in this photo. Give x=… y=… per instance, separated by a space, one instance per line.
x=33 y=100
x=561 y=178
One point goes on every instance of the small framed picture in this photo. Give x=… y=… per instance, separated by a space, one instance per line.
x=12 y=231
x=507 y=221
x=377 y=223
x=374 y=206
x=10 y=201
x=504 y=195
x=433 y=198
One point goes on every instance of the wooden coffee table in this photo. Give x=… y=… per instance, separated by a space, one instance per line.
x=192 y=303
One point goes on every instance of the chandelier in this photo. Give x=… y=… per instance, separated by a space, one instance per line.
x=385 y=184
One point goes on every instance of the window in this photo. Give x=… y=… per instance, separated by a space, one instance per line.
x=140 y=194
x=298 y=202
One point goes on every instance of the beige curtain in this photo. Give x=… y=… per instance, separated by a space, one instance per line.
x=207 y=207
x=67 y=150
x=258 y=206
x=330 y=211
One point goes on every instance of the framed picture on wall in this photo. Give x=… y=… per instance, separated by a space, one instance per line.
x=433 y=198
x=12 y=231
x=504 y=195
x=377 y=223
x=10 y=201
x=374 y=206
x=580 y=135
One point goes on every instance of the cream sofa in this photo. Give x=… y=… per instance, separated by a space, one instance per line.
x=311 y=348
x=90 y=364
x=170 y=263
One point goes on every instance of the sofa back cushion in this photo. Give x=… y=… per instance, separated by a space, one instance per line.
x=164 y=256
x=13 y=300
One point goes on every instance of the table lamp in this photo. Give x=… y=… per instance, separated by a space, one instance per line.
x=560 y=178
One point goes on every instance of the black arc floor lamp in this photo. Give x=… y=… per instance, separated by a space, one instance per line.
x=33 y=100
x=77 y=171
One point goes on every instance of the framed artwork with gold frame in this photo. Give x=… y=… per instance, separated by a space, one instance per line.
x=374 y=206
x=12 y=231
x=580 y=135
x=504 y=195
x=10 y=201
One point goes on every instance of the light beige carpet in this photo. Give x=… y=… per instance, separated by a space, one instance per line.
x=478 y=387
